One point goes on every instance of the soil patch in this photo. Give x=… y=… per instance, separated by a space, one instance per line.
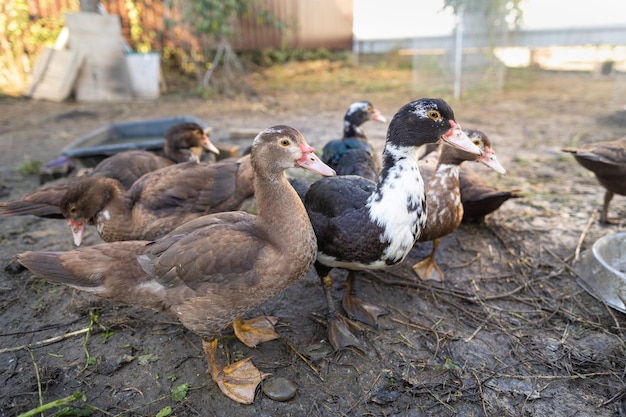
x=509 y=332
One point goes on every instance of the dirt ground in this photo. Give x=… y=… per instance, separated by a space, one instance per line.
x=508 y=333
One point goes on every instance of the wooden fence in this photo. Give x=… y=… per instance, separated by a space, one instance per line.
x=307 y=24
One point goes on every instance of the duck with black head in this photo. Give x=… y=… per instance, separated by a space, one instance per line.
x=361 y=224
x=353 y=154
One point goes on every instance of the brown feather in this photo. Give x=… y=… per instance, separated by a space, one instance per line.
x=213 y=269
x=125 y=167
x=161 y=200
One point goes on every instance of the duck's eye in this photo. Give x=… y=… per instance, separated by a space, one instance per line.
x=285 y=142
x=476 y=142
x=434 y=115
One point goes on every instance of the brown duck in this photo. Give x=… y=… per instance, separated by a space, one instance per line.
x=440 y=171
x=157 y=202
x=607 y=160
x=211 y=271
x=182 y=142
x=479 y=197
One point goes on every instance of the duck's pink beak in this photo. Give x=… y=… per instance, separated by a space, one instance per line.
x=208 y=145
x=78 y=229
x=378 y=117
x=489 y=158
x=311 y=162
x=459 y=139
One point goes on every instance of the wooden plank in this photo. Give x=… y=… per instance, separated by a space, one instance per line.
x=104 y=76
x=54 y=74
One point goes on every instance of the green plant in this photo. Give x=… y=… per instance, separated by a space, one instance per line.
x=29 y=167
x=448 y=365
x=215 y=18
x=22 y=38
x=142 y=40
x=212 y=24
x=497 y=13
x=53 y=404
x=94 y=316
x=179 y=392
x=165 y=411
x=270 y=57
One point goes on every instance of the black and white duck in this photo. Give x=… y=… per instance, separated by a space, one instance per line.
x=361 y=224
x=353 y=154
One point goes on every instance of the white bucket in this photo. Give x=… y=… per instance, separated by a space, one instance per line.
x=144 y=70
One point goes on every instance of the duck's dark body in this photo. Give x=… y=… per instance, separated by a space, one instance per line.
x=353 y=154
x=159 y=201
x=480 y=198
x=182 y=143
x=361 y=224
x=607 y=160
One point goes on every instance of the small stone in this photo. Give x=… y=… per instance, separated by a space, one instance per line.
x=279 y=389
x=317 y=351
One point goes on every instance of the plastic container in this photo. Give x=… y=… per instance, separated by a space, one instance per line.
x=89 y=149
x=144 y=71
x=602 y=270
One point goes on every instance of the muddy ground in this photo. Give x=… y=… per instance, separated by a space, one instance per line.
x=508 y=333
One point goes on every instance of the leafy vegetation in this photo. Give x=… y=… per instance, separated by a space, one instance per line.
x=212 y=24
x=21 y=40
x=54 y=404
x=497 y=13
x=29 y=167
x=270 y=57
x=179 y=392
x=141 y=39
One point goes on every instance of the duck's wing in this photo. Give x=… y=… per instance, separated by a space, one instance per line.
x=211 y=250
x=190 y=187
x=128 y=166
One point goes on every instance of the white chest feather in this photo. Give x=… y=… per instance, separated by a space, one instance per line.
x=101 y=218
x=397 y=207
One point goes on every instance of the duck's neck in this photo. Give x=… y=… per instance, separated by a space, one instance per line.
x=113 y=217
x=398 y=205
x=280 y=212
x=443 y=194
x=443 y=199
x=184 y=155
x=351 y=130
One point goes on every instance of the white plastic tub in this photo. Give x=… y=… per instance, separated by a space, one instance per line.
x=144 y=71
x=602 y=270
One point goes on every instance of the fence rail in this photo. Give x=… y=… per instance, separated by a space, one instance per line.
x=579 y=36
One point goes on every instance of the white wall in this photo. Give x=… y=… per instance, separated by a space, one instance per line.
x=376 y=19
x=543 y=14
